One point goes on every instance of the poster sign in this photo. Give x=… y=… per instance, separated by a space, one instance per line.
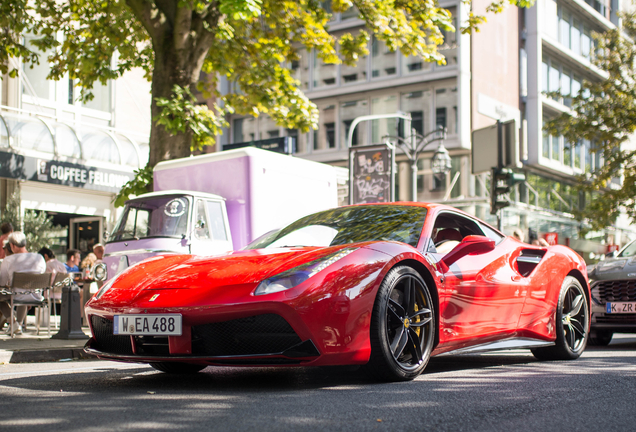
x=552 y=238
x=371 y=174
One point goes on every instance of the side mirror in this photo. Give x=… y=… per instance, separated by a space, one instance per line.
x=472 y=244
x=612 y=254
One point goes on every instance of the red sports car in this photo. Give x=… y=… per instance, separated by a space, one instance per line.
x=385 y=286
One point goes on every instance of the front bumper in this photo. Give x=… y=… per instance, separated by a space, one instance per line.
x=265 y=339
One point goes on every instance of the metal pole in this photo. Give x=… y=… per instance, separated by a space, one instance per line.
x=499 y=166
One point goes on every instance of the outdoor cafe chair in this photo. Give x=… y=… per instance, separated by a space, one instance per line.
x=27 y=283
x=56 y=293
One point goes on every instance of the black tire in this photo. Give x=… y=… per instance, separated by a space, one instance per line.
x=600 y=337
x=178 y=368
x=402 y=327
x=572 y=321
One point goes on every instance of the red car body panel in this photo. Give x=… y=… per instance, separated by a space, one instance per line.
x=480 y=299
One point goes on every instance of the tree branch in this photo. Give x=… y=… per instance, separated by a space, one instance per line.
x=155 y=23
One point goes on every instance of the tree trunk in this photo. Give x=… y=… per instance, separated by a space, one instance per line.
x=167 y=73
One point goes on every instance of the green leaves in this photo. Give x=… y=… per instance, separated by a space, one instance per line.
x=240 y=9
x=181 y=114
x=139 y=185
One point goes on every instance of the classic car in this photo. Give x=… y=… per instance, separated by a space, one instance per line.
x=385 y=286
x=613 y=286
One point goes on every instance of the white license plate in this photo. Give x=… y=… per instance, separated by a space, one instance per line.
x=157 y=325
x=620 y=307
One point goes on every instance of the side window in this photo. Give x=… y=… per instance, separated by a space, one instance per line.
x=449 y=230
x=217 y=221
x=491 y=234
x=201 y=230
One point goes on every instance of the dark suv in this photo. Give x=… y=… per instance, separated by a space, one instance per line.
x=613 y=283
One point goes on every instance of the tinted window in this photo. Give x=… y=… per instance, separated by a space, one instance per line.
x=349 y=225
x=630 y=250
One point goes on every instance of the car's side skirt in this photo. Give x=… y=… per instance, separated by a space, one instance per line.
x=505 y=344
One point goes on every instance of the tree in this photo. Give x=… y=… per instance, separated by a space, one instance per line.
x=36 y=225
x=604 y=112
x=248 y=41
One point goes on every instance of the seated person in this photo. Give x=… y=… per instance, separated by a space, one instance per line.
x=52 y=264
x=73 y=260
x=446 y=239
x=20 y=261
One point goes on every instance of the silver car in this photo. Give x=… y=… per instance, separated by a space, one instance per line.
x=613 y=283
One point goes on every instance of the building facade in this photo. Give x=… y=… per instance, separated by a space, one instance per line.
x=70 y=158
x=499 y=73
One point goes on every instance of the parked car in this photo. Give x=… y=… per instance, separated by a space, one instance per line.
x=613 y=286
x=386 y=286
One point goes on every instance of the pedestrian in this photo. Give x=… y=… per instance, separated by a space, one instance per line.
x=52 y=263
x=72 y=261
x=6 y=228
x=21 y=261
x=98 y=250
x=87 y=265
x=518 y=234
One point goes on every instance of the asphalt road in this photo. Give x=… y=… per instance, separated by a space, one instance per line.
x=508 y=391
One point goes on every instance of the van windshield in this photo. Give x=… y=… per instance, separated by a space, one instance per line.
x=165 y=216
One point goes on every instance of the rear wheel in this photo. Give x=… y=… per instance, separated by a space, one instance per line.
x=402 y=327
x=600 y=337
x=573 y=322
x=178 y=368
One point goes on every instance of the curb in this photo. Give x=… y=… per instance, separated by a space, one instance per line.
x=36 y=356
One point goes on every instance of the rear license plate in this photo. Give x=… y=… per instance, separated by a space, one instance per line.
x=155 y=325
x=620 y=307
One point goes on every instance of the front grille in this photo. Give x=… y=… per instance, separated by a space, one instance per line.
x=152 y=345
x=614 y=290
x=616 y=319
x=261 y=334
x=106 y=341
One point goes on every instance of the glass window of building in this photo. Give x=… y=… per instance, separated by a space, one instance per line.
x=383 y=60
x=350 y=13
x=564 y=27
x=353 y=74
x=554 y=82
x=35 y=83
x=385 y=127
x=551 y=19
x=567 y=153
x=419 y=105
x=348 y=112
x=586 y=43
x=268 y=127
x=244 y=130
x=300 y=69
x=544 y=76
x=415 y=64
x=101 y=97
x=566 y=80
x=445 y=107
x=449 y=47
x=576 y=36
x=324 y=73
x=325 y=135
x=546 y=142
x=555 y=148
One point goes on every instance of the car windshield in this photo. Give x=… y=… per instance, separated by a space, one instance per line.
x=629 y=251
x=165 y=216
x=349 y=225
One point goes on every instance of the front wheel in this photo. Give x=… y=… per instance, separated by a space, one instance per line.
x=573 y=323
x=402 y=327
x=178 y=368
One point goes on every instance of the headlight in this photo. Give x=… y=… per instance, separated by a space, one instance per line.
x=108 y=285
x=290 y=278
x=100 y=272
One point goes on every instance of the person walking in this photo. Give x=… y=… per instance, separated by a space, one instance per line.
x=21 y=261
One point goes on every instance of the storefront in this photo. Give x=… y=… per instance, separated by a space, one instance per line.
x=72 y=175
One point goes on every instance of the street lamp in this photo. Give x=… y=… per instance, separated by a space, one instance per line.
x=414 y=144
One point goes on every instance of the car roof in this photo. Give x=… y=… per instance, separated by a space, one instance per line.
x=178 y=192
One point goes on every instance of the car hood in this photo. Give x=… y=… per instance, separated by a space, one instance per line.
x=615 y=268
x=237 y=268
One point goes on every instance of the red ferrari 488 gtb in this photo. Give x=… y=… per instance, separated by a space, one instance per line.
x=386 y=286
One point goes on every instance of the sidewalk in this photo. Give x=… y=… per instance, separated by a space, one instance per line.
x=30 y=347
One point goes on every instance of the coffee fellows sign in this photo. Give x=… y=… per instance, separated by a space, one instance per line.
x=62 y=173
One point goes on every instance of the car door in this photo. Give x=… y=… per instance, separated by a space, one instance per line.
x=482 y=295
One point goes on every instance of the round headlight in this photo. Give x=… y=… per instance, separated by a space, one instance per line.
x=100 y=272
